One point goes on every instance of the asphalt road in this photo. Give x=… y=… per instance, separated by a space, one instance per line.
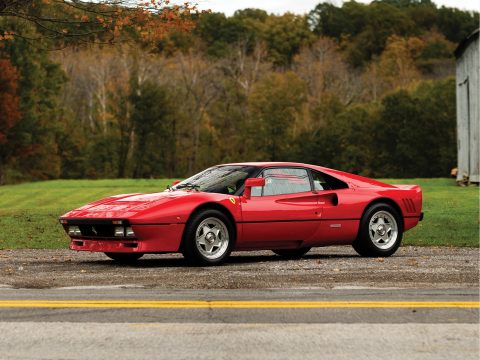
x=368 y=309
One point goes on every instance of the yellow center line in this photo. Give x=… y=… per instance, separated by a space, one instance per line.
x=222 y=304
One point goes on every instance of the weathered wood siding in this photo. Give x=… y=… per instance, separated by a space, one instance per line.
x=468 y=114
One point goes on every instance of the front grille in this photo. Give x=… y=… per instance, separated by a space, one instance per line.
x=104 y=231
x=97 y=229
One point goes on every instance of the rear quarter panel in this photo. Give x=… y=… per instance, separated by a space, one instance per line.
x=340 y=224
x=408 y=199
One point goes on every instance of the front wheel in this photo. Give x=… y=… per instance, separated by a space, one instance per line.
x=208 y=238
x=292 y=253
x=381 y=231
x=124 y=258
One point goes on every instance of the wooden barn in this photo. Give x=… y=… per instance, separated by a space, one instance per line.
x=468 y=109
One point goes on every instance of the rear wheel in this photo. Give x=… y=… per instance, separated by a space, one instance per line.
x=381 y=231
x=124 y=258
x=208 y=238
x=292 y=253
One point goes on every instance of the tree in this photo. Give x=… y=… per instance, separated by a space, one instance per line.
x=275 y=104
x=436 y=59
x=457 y=24
x=383 y=21
x=344 y=140
x=9 y=100
x=332 y=21
x=219 y=33
x=415 y=134
x=198 y=88
x=9 y=109
x=33 y=148
x=285 y=35
x=73 y=21
x=151 y=126
x=397 y=62
x=325 y=72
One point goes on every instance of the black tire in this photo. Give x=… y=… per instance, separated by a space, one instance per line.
x=124 y=258
x=292 y=253
x=386 y=243
x=220 y=243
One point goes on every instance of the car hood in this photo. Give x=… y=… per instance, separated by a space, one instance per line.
x=126 y=205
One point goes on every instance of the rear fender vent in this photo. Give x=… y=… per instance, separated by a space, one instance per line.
x=409 y=205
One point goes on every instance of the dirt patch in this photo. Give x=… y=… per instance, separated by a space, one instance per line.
x=410 y=267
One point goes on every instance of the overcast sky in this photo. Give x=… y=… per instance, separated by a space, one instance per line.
x=304 y=6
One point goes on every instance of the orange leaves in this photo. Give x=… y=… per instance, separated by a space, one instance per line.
x=7 y=35
x=151 y=20
x=107 y=21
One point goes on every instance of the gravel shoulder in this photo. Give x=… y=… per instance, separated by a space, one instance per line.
x=410 y=267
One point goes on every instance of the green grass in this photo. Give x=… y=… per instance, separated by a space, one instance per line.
x=29 y=212
x=451 y=214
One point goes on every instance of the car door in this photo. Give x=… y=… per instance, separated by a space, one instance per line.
x=339 y=211
x=283 y=213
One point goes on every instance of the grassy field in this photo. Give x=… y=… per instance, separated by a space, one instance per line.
x=29 y=212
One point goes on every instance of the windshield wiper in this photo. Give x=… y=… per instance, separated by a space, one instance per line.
x=187 y=186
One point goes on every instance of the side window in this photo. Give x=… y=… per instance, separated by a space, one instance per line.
x=257 y=190
x=319 y=181
x=280 y=181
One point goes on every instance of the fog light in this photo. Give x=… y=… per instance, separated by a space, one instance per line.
x=74 y=231
x=129 y=232
x=119 y=231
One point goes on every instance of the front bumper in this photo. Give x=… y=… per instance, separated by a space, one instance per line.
x=149 y=239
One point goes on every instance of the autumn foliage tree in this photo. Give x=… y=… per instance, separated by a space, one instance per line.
x=64 y=22
x=9 y=100
x=9 y=106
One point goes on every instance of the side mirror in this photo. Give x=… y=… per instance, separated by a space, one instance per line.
x=251 y=182
x=176 y=182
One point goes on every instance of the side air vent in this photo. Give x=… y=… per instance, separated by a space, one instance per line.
x=409 y=205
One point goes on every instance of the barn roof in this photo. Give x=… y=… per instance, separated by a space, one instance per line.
x=465 y=42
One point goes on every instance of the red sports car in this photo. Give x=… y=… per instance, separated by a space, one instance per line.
x=285 y=207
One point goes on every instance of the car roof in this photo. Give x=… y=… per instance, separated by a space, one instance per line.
x=270 y=163
x=341 y=175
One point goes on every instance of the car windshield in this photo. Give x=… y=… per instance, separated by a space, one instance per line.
x=226 y=179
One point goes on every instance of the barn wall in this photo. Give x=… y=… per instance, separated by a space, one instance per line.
x=468 y=113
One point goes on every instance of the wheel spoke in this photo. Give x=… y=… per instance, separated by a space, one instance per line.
x=216 y=231
x=208 y=247
x=217 y=242
x=201 y=240
x=212 y=238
